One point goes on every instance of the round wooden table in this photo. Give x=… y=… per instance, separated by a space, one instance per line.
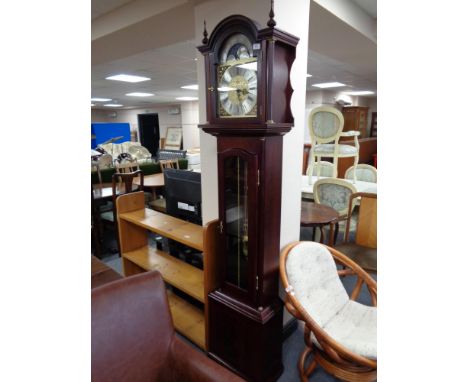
x=152 y=182
x=318 y=215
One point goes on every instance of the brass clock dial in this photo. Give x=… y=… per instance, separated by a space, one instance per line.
x=237 y=79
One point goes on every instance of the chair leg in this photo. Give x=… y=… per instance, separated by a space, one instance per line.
x=356 y=160
x=319 y=167
x=303 y=371
x=313 y=233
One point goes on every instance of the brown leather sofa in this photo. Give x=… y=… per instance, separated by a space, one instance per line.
x=133 y=338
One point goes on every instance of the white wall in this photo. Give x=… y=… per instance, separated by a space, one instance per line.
x=187 y=119
x=190 y=120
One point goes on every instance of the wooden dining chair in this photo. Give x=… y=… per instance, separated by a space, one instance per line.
x=122 y=183
x=339 y=333
x=159 y=204
x=126 y=166
x=363 y=249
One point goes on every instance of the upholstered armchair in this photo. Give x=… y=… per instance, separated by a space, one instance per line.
x=326 y=169
x=326 y=128
x=133 y=338
x=364 y=172
x=336 y=194
x=339 y=333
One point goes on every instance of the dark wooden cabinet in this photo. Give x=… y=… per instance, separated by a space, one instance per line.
x=248 y=110
x=355 y=118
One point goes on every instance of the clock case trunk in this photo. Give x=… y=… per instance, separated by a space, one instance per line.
x=245 y=324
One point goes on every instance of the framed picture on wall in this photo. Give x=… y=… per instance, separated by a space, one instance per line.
x=173 y=138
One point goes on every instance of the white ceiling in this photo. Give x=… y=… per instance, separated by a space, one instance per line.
x=368 y=6
x=345 y=57
x=169 y=68
x=101 y=7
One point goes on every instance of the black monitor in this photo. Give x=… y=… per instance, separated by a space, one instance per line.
x=183 y=194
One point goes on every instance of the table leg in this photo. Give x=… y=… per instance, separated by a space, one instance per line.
x=322 y=234
x=331 y=236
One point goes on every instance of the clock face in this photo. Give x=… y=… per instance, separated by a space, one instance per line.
x=237 y=79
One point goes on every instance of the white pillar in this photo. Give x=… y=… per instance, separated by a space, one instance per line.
x=189 y=121
x=292 y=17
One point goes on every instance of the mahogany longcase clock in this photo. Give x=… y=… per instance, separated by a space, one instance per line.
x=248 y=110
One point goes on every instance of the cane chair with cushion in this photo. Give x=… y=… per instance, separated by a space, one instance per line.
x=326 y=169
x=159 y=204
x=133 y=337
x=336 y=194
x=326 y=128
x=339 y=333
x=363 y=250
x=364 y=172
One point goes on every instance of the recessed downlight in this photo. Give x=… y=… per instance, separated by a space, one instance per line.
x=308 y=75
x=325 y=85
x=128 y=78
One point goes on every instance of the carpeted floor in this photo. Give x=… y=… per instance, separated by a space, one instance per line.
x=294 y=344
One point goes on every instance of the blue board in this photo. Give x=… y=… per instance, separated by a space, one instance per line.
x=104 y=131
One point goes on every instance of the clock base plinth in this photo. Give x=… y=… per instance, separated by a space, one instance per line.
x=246 y=340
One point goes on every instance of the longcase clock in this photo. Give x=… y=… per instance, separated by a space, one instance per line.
x=248 y=110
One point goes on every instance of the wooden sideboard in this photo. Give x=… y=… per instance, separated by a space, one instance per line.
x=367 y=148
x=355 y=118
x=137 y=256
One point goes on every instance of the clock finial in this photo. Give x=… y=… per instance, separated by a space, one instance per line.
x=205 y=33
x=271 y=22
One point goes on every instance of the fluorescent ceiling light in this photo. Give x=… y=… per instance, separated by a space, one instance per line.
x=190 y=87
x=329 y=85
x=308 y=75
x=127 y=78
x=360 y=92
x=101 y=99
x=249 y=66
x=187 y=98
x=138 y=94
x=113 y=105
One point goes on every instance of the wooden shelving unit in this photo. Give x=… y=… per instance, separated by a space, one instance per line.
x=137 y=256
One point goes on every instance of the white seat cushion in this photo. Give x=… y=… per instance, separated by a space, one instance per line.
x=328 y=148
x=312 y=273
x=355 y=327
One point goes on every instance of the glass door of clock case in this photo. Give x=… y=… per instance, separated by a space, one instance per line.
x=238 y=190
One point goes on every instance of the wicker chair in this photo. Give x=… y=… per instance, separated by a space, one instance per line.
x=339 y=332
